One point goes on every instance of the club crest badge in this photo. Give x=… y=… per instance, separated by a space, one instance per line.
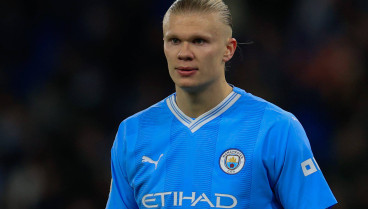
x=232 y=161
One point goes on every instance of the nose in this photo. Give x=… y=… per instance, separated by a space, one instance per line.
x=185 y=53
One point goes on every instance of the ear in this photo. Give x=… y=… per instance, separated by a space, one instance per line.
x=230 y=49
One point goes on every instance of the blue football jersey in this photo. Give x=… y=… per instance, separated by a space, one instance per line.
x=244 y=153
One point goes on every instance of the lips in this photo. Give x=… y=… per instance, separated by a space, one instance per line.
x=186 y=71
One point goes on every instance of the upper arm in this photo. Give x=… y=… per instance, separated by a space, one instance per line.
x=121 y=193
x=299 y=180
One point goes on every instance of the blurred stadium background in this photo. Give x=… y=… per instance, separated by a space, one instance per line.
x=71 y=71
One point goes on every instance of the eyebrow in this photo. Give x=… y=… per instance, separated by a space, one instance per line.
x=191 y=36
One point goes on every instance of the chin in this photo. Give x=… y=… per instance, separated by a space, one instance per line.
x=185 y=85
x=189 y=87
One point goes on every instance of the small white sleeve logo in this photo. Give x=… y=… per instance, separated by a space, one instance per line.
x=146 y=159
x=309 y=166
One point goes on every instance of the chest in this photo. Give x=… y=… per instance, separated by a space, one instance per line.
x=209 y=168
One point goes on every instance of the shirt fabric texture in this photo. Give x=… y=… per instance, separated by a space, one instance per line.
x=245 y=153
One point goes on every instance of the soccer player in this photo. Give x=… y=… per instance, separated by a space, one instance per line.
x=211 y=144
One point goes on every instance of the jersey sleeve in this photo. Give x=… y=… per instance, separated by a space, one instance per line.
x=121 y=193
x=300 y=183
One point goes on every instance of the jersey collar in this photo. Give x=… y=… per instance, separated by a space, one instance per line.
x=195 y=124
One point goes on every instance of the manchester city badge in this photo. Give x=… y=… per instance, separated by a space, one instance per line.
x=232 y=161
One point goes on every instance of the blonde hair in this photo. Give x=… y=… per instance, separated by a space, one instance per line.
x=201 y=6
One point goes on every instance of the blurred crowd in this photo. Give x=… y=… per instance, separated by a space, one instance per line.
x=71 y=71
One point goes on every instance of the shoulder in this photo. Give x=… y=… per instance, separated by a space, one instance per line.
x=152 y=114
x=278 y=127
x=130 y=128
x=271 y=113
x=156 y=109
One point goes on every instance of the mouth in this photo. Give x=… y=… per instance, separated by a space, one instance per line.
x=186 y=71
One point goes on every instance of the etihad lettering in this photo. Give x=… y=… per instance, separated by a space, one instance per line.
x=179 y=199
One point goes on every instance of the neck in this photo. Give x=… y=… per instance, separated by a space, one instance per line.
x=194 y=104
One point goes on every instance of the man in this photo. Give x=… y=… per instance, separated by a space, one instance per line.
x=210 y=144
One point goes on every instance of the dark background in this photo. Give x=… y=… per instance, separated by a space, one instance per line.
x=71 y=71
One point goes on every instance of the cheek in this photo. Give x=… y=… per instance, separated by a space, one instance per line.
x=213 y=56
x=168 y=57
x=170 y=54
x=165 y=51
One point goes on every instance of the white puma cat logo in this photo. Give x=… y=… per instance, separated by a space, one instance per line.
x=149 y=160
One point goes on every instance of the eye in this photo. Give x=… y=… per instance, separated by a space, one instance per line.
x=175 y=41
x=199 y=41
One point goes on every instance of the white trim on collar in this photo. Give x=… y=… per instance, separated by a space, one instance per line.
x=195 y=124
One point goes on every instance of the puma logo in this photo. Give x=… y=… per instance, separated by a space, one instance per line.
x=149 y=160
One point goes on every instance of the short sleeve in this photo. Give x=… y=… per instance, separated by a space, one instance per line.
x=300 y=183
x=121 y=193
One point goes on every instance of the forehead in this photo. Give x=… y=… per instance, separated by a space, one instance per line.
x=187 y=23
